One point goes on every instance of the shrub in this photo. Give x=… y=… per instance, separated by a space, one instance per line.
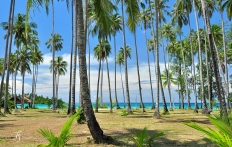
x=124 y=113
x=64 y=136
x=80 y=116
x=141 y=139
x=222 y=137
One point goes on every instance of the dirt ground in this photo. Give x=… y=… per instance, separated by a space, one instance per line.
x=113 y=124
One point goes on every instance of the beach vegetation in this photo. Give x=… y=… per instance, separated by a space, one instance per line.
x=142 y=138
x=63 y=137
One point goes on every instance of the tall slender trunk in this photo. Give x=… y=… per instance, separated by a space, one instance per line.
x=226 y=84
x=92 y=123
x=71 y=63
x=207 y=72
x=115 y=86
x=36 y=76
x=108 y=74
x=57 y=84
x=167 y=76
x=137 y=63
x=9 y=36
x=22 y=100
x=6 y=108
x=149 y=69
x=193 y=64
x=223 y=109
x=53 y=59
x=200 y=58
x=33 y=84
x=162 y=92
x=101 y=99
x=98 y=80
x=15 y=102
x=156 y=49
x=123 y=89
x=125 y=61
x=73 y=107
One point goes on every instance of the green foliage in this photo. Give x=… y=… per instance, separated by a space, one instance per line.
x=61 y=104
x=79 y=115
x=222 y=136
x=104 y=105
x=124 y=113
x=64 y=136
x=141 y=139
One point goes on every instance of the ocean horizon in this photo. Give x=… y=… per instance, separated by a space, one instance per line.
x=133 y=105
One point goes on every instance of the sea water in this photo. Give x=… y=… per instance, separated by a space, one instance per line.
x=133 y=105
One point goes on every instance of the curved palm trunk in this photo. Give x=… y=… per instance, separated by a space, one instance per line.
x=89 y=65
x=115 y=86
x=125 y=62
x=225 y=59
x=148 y=62
x=92 y=123
x=223 y=109
x=71 y=63
x=123 y=89
x=137 y=63
x=99 y=70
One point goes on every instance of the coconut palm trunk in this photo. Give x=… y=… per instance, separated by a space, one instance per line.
x=115 y=86
x=125 y=61
x=156 y=48
x=73 y=107
x=6 y=49
x=200 y=60
x=124 y=99
x=149 y=69
x=22 y=100
x=98 y=80
x=223 y=109
x=101 y=98
x=71 y=63
x=167 y=76
x=137 y=64
x=92 y=123
x=226 y=84
x=108 y=74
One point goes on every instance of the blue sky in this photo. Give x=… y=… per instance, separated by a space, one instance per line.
x=63 y=27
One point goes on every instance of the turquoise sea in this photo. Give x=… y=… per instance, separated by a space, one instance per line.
x=133 y=105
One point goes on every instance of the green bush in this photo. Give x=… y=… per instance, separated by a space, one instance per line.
x=80 y=116
x=222 y=136
x=141 y=139
x=124 y=113
x=64 y=136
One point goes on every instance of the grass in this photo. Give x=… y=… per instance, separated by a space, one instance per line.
x=113 y=124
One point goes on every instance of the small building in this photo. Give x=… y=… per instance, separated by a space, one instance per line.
x=19 y=98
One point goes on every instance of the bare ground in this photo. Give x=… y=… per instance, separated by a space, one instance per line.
x=113 y=124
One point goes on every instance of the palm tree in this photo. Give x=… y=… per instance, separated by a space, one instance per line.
x=117 y=22
x=54 y=44
x=146 y=21
x=125 y=56
x=24 y=66
x=223 y=110
x=228 y=5
x=103 y=49
x=7 y=56
x=60 y=69
x=132 y=10
x=92 y=123
x=120 y=61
